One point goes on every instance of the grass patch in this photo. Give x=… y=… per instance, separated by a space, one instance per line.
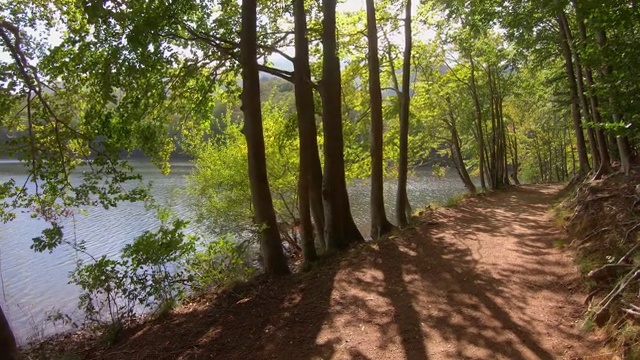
x=561 y=215
x=588 y=324
x=455 y=200
x=588 y=262
x=627 y=340
x=559 y=244
x=450 y=202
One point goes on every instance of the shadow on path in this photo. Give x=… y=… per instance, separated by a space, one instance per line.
x=486 y=283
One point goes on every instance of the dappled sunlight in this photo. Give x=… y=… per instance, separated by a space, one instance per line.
x=471 y=282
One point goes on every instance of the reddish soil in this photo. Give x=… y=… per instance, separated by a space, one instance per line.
x=482 y=280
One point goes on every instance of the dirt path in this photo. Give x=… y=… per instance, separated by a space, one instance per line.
x=486 y=282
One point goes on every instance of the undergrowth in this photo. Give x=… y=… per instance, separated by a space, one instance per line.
x=602 y=219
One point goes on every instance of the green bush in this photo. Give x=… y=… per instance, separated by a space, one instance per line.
x=149 y=275
x=438 y=171
x=219 y=263
x=154 y=273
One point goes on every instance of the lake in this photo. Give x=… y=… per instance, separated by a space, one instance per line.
x=33 y=284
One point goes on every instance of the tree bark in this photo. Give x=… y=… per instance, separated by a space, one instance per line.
x=306 y=122
x=583 y=159
x=340 y=229
x=480 y=133
x=315 y=187
x=622 y=142
x=402 y=204
x=306 y=227
x=514 y=154
x=8 y=345
x=493 y=156
x=605 y=160
x=456 y=152
x=380 y=225
x=584 y=104
x=275 y=262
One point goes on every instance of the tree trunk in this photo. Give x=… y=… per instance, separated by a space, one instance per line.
x=306 y=227
x=8 y=345
x=605 y=160
x=305 y=108
x=613 y=147
x=456 y=152
x=584 y=105
x=540 y=163
x=275 y=263
x=315 y=187
x=573 y=160
x=402 y=204
x=514 y=155
x=504 y=144
x=478 y=108
x=340 y=230
x=306 y=120
x=565 y=172
x=379 y=223
x=573 y=90
x=625 y=153
x=623 y=145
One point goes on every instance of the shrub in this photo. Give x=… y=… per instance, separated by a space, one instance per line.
x=154 y=273
x=148 y=275
x=219 y=263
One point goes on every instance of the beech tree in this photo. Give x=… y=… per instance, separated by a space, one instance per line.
x=309 y=158
x=379 y=223
x=275 y=262
x=340 y=229
x=403 y=209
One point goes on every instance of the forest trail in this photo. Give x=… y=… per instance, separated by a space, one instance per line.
x=484 y=282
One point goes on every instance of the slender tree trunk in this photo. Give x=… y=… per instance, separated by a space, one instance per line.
x=605 y=161
x=478 y=108
x=315 y=189
x=275 y=263
x=573 y=90
x=493 y=155
x=456 y=152
x=8 y=346
x=503 y=131
x=306 y=227
x=540 y=165
x=565 y=157
x=584 y=104
x=537 y=146
x=306 y=122
x=402 y=205
x=573 y=160
x=625 y=152
x=379 y=223
x=503 y=172
x=514 y=155
x=340 y=229
x=622 y=142
x=613 y=147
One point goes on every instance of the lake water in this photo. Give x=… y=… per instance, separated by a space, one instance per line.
x=33 y=284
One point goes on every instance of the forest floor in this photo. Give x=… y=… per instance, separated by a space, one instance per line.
x=485 y=279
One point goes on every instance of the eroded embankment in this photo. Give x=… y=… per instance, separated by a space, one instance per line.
x=603 y=219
